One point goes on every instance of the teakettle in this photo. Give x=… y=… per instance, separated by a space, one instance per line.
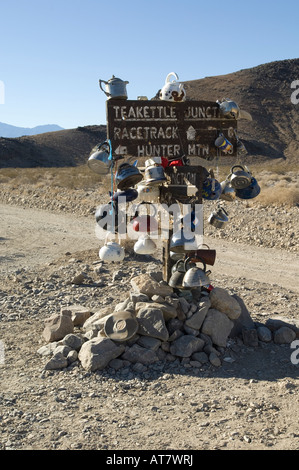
x=228 y=108
x=218 y=218
x=196 y=277
x=144 y=222
x=211 y=189
x=183 y=240
x=108 y=217
x=115 y=88
x=125 y=196
x=178 y=272
x=111 y=251
x=154 y=173
x=241 y=178
x=228 y=193
x=145 y=246
x=127 y=176
x=148 y=192
x=252 y=191
x=100 y=160
x=173 y=90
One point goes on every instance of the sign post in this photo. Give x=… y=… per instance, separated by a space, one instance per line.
x=156 y=128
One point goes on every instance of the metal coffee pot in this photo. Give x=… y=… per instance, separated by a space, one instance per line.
x=115 y=88
x=218 y=218
x=99 y=160
x=178 y=273
x=228 y=193
x=154 y=173
x=196 y=277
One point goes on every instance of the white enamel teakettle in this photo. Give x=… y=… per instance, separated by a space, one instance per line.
x=145 y=246
x=173 y=90
x=111 y=251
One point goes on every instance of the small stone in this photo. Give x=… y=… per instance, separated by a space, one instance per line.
x=264 y=334
x=58 y=361
x=79 y=279
x=250 y=337
x=186 y=345
x=284 y=335
x=214 y=360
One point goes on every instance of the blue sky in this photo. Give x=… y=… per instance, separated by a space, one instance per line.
x=53 y=52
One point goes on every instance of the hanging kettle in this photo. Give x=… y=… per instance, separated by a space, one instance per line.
x=228 y=193
x=127 y=176
x=252 y=191
x=211 y=189
x=178 y=272
x=125 y=196
x=182 y=241
x=144 y=222
x=99 y=160
x=145 y=246
x=111 y=252
x=228 y=108
x=173 y=90
x=107 y=216
x=196 y=277
x=148 y=193
x=218 y=218
x=154 y=173
x=115 y=88
x=241 y=178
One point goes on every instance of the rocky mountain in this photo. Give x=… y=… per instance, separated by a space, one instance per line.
x=62 y=148
x=7 y=130
x=264 y=91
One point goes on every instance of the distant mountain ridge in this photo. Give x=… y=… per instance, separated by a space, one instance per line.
x=263 y=91
x=7 y=130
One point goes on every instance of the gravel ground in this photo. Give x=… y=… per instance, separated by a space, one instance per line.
x=249 y=403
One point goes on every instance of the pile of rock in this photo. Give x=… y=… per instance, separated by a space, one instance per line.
x=194 y=327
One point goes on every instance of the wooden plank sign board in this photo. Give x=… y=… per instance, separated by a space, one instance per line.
x=156 y=128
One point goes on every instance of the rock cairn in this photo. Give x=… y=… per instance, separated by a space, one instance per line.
x=195 y=328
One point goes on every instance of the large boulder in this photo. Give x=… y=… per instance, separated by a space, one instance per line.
x=96 y=353
x=222 y=301
x=151 y=323
x=57 y=327
x=146 y=284
x=218 y=326
x=186 y=345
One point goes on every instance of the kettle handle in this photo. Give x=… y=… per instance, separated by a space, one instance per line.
x=107 y=143
x=169 y=75
x=236 y=166
x=136 y=214
x=100 y=84
x=201 y=261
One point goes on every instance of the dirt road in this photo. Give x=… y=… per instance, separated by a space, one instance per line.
x=31 y=237
x=249 y=403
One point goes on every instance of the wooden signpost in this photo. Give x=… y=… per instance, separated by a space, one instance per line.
x=156 y=128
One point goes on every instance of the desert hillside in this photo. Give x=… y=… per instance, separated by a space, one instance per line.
x=263 y=91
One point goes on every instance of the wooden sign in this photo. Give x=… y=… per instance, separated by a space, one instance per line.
x=156 y=128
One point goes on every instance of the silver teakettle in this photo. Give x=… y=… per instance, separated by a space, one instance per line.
x=115 y=88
